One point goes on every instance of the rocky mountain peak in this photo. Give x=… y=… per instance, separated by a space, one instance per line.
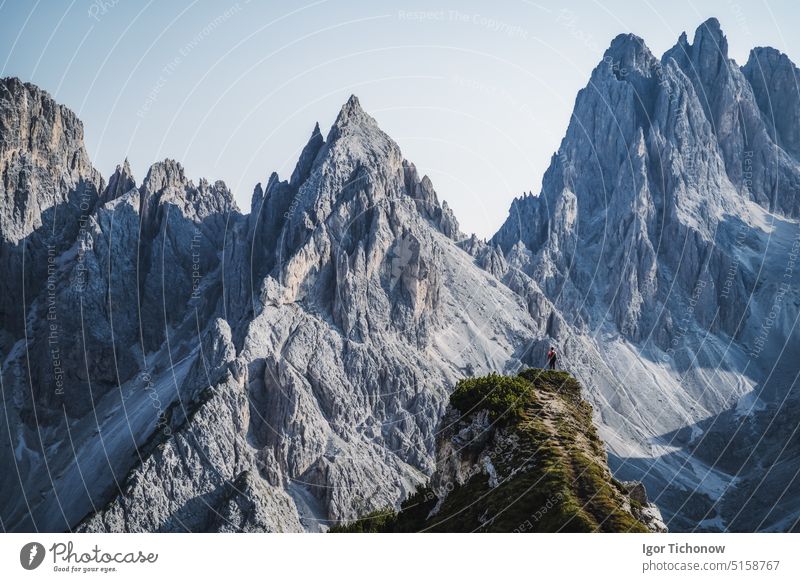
x=29 y=101
x=709 y=38
x=351 y=205
x=770 y=59
x=706 y=57
x=681 y=150
x=125 y=169
x=166 y=181
x=318 y=338
x=121 y=182
x=37 y=131
x=306 y=160
x=356 y=159
x=47 y=186
x=351 y=110
x=628 y=53
x=352 y=119
x=163 y=175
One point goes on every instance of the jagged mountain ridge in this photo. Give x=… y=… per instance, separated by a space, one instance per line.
x=275 y=371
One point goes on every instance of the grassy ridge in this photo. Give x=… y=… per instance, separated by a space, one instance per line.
x=549 y=464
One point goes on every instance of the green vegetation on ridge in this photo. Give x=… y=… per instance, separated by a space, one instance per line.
x=548 y=463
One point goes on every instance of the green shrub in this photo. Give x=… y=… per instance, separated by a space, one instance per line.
x=503 y=396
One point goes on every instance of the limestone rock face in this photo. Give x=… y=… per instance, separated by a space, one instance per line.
x=133 y=274
x=774 y=79
x=197 y=474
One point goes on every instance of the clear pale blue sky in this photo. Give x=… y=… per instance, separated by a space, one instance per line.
x=478 y=95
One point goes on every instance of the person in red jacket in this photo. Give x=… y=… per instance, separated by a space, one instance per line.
x=551 y=358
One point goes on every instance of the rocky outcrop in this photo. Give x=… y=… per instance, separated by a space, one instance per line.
x=187 y=226
x=133 y=275
x=350 y=349
x=121 y=182
x=519 y=455
x=747 y=139
x=199 y=472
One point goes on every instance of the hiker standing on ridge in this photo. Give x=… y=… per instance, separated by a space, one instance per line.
x=551 y=358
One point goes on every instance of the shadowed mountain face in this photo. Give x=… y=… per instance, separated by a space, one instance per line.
x=48 y=190
x=171 y=364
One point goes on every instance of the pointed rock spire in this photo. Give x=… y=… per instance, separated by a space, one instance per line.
x=709 y=49
x=351 y=117
x=256 y=199
x=121 y=182
x=350 y=110
x=306 y=160
x=164 y=174
x=709 y=37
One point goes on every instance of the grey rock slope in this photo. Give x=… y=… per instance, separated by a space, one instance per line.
x=666 y=232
